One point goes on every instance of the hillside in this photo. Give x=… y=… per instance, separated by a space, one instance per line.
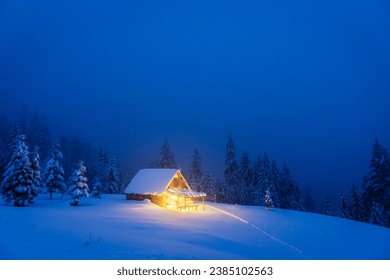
x=113 y=228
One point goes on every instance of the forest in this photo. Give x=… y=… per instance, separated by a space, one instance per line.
x=31 y=162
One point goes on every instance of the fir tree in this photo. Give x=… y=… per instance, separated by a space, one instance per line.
x=14 y=137
x=18 y=183
x=327 y=207
x=231 y=173
x=378 y=184
x=246 y=178
x=97 y=189
x=36 y=168
x=308 y=201
x=53 y=178
x=219 y=189
x=256 y=191
x=356 y=205
x=167 y=157
x=343 y=208
x=268 y=199
x=195 y=172
x=112 y=177
x=376 y=214
x=208 y=187
x=79 y=186
x=289 y=190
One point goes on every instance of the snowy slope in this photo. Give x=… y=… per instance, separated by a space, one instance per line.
x=113 y=228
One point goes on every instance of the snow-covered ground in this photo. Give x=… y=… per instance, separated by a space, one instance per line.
x=113 y=228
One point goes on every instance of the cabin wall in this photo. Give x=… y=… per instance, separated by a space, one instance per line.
x=137 y=196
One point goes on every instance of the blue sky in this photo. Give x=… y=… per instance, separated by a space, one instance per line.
x=306 y=81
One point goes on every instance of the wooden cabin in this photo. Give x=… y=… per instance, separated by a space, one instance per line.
x=166 y=188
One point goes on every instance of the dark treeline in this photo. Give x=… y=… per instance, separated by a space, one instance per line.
x=31 y=162
x=29 y=157
x=264 y=183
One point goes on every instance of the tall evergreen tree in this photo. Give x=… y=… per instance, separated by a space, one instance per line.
x=53 y=178
x=18 y=183
x=231 y=173
x=356 y=205
x=376 y=214
x=112 y=177
x=219 y=189
x=343 y=207
x=378 y=185
x=79 y=186
x=327 y=207
x=208 y=187
x=14 y=137
x=36 y=168
x=167 y=157
x=308 y=201
x=289 y=190
x=256 y=190
x=195 y=173
x=246 y=179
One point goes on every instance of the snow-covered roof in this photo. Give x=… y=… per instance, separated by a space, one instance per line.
x=152 y=181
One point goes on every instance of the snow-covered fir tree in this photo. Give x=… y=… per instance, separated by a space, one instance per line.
x=53 y=176
x=208 y=187
x=219 y=189
x=246 y=179
x=356 y=205
x=231 y=175
x=97 y=189
x=195 y=172
x=327 y=207
x=343 y=207
x=18 y=183
x=289 y=194
x=268 y=199
x=36 y=168
x=378 y=183
x=14 y=137
x=112 y=177
x=167 y=157
x=79 y=186
x=275 y=183
x=376 y=214
x=256 y=191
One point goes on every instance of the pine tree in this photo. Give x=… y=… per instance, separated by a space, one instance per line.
x=18 y=183
x=231 y=173
x=376 y=214
x=208 y=187
x=14 y=137
x=256 y=191
x=356 y=205
x=327 y=207
x=112 y=177
x=167 y=157
x=378 y=185
x=97 y=189
x=308 y=201
x=219 y=188
x=53 y=178
x=79 y=186
x=195 y=172
x=289 y=190
x=275 y=181
x=36 y=168
x=268 y=199
x=343 y=208
x=246 y=178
